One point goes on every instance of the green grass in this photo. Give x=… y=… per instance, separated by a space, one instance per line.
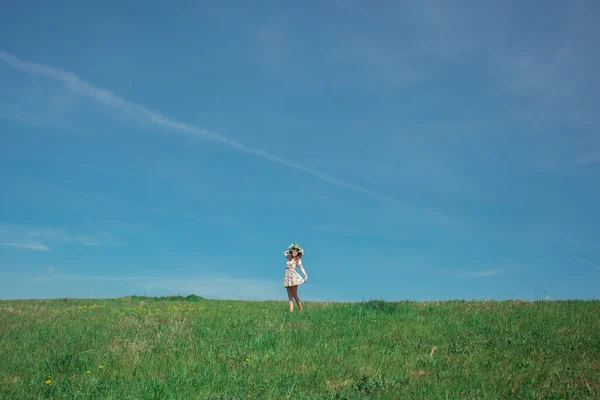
x=192 y=348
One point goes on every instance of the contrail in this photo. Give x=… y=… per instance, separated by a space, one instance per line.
x=80 y=86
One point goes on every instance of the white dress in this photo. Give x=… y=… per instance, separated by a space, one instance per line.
x=292 y=278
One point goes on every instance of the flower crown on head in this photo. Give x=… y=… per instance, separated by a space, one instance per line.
x=296 y=247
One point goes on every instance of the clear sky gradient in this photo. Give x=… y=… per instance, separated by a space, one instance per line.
x=415 y=149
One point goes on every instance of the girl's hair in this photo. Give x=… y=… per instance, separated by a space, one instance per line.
x=299 y=253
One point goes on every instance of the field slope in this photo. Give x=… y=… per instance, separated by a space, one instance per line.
x=192 y=348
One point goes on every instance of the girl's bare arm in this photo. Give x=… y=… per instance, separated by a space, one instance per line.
x=303 y=271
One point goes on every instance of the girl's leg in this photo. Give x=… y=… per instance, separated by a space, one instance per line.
x=295 y=295
x=290 y=298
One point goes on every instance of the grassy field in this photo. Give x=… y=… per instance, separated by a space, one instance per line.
x=192 y=348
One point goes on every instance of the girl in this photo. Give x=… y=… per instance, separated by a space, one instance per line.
x=292 y=278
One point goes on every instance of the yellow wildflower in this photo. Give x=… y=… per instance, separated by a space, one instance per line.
x=48 y=382
x=88 y=372
x=247 y=360
x=100 y=366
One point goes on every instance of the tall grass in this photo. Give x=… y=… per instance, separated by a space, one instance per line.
x=192 y=348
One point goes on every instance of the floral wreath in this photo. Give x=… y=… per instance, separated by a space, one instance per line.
x=296 y=247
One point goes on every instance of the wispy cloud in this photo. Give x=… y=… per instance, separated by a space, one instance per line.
x=545 y=72
x=221 y=288
x=49 y=269
x=27 y=246
x=433 y=269
x=61 y=237
x=410 y=44
x=80 y=277
x=484 y=274
x=209 y=287
x=475 y=274
x=103 y=96
x=37 y=238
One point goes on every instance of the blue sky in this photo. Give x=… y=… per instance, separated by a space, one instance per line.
x=415 y=149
